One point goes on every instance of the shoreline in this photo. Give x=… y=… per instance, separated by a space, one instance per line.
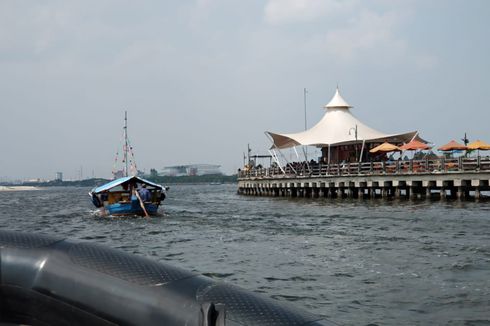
x=18 y=188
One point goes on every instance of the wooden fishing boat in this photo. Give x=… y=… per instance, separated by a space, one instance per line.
x=122 y=197
x=128 y=194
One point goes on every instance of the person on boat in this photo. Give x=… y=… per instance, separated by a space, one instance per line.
x=144 y=193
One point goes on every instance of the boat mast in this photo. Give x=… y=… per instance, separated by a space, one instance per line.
x=125 y=150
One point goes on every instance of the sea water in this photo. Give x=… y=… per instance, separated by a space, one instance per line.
x=355 y=262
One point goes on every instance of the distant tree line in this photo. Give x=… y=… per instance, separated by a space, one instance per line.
x=58 y=183
x=211 y=178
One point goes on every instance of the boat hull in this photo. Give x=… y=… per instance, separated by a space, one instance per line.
x=132 y=208
x=49 y=280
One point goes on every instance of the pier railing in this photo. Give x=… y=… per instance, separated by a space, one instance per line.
x=442 y=165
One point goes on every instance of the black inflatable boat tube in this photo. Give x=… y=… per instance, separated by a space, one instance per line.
x=52 y=281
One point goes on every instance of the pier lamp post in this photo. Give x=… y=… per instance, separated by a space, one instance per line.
x=355 y=135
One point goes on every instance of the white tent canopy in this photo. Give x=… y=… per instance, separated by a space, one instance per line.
x=336 y=127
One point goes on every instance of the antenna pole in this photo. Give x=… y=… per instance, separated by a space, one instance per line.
x=126 y=142
x=248 y=153
x=304 y=96
x=305 y=149
x=465 y=142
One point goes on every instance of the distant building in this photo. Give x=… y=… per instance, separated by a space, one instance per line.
x=35 y=180
x=118 y=174
x=59 y=176
x=190 y=170
x=121 y=174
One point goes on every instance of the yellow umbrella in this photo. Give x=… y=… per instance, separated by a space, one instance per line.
x=480 y=145
x=385 y=148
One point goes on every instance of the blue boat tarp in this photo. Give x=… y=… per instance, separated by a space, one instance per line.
x=120 y=181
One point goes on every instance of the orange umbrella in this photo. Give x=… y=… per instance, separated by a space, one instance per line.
x=452 y=146
x=480 y=145
x=385 y=148
x=415 y=145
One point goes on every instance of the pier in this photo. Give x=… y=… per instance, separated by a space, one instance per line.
x=459 y=178
x=354 y=163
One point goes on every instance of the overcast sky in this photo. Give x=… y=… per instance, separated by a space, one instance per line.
x=201 y=79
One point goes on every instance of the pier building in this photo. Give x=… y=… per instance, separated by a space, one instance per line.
x=346 y=167
x=461 y=178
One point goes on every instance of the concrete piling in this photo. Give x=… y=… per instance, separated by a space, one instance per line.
x=469 y=185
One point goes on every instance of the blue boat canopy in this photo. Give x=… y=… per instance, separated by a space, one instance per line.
x=120 y=181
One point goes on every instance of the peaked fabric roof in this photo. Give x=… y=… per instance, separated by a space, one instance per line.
x=338 y=126
x=337 y=101
x=120 y=181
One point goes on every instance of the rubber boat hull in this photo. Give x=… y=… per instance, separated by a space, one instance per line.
x=52 y=281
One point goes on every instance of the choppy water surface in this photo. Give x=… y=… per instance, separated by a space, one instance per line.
x=353 y=262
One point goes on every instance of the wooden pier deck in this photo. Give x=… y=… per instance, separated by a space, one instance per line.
x=462 y=178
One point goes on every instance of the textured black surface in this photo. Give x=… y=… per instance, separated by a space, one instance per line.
x=10 y=239
x=252 y=309
x=49 y=303
x=127 y=267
